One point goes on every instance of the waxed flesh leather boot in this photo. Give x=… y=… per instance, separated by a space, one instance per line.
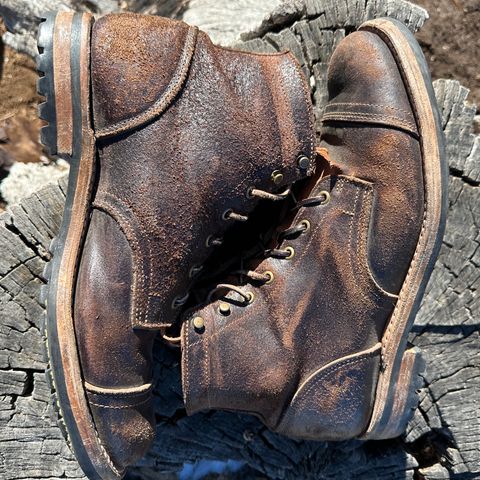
x=312 y=338
x=171 y=141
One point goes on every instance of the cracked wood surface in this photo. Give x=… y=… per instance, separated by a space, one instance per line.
x=443 y=439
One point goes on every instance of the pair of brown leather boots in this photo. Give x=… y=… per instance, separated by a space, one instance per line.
x=201 y=205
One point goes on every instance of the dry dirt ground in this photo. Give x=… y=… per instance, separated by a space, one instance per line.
x=450 y=39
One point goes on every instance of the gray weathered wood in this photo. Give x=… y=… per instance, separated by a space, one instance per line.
x=444 y=436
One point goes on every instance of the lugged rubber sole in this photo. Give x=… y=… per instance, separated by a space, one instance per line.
x=64 y=62
x=401 y=371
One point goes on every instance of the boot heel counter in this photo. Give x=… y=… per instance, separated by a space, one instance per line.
x=335 y=402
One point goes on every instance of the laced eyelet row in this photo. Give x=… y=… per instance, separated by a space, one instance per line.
x=287 y=253
x=215 y=241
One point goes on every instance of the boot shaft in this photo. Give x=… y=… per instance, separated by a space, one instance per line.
x=185 y=129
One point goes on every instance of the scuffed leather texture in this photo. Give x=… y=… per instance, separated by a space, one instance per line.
x=367 y=91
x=331 y=403
x=323 y=305
x=113 y=355
x=102 y=303
x=125 y=422
x=237 y=118
x=332 y=301
x=385 y=155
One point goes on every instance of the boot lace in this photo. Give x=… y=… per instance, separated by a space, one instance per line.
x=285 y=253
x=229 y=214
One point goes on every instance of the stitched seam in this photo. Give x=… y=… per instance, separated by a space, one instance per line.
x=174 y=86
x=354 y=104
x=370 y=116
x=280 y=129
x=206 y=369
x=350 y=233
x=119 y=407
x=187 y=350
x=308 y=101
x=106 y=456
x=362 y=251
x=105 y=205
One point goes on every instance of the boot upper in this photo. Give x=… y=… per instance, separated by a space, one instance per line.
x=304 y=355
x=184 y=130
x=195 y=127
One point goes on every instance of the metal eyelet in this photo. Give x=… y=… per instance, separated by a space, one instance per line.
x=292 y=253
x=271 y=277
x=251 y=297
x=326 y=195
x=249 y=192
x=303 y=162
x=226 y=214
x=210 y=239
x=224 y=309
x=195 y=270
x=277 y=177
x=179 y=301
x=306 y=224
x=198 y=324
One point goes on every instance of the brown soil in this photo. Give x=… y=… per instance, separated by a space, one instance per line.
x=451 y=41
x=19 y=125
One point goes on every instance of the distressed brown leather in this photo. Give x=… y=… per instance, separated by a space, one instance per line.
x=304 y=356
x=184 y=129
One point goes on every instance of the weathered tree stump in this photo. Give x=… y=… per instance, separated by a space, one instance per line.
x=443 y=439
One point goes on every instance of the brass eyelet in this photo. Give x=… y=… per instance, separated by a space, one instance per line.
x=327 y=197
x=292 y=253
x=198 y=324
x=226 y=214
x=251 y=297
x=277 y=177
x=224 y=308
x=271 y=277
x=306 y=224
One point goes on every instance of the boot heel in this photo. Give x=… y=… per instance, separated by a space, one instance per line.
x=403 y=400
x=61 y=40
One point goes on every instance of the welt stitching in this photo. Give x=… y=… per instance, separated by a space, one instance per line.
x=174 y=86
x=122 y=221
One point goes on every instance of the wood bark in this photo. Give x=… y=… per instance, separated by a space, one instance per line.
x=443 y=438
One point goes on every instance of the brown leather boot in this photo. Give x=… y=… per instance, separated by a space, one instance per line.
x=314 y=342
x=171 y=140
